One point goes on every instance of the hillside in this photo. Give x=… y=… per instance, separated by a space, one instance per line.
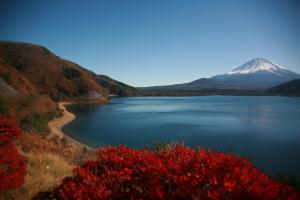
x=291 y=88
x=20 y=98
x=51 y=75
x=115 y=87
x=14 y=79
x=199 y=84
x=33 y=79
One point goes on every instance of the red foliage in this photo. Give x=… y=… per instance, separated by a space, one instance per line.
x=178 y=173
x=12 y=164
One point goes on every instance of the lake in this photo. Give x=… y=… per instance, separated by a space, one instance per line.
x=264 y=129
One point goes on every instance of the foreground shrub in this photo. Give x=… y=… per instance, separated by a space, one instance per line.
x=176 y=173
x=12 y=164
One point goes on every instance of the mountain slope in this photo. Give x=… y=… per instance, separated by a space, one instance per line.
x=291 y=88
x=203 y=83
x=51 y=75
x=32 y=79
x=14 y=79
x=20 y=98
x=258 y=73
x=115 y=87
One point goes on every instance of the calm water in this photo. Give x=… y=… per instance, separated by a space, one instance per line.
x=265 y=129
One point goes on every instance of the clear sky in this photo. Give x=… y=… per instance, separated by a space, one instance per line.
x=158 y=42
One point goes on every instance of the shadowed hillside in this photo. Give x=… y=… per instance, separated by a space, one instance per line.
x=291 y=88
x=115 y=87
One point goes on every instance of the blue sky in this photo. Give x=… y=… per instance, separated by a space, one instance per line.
x=158 y=42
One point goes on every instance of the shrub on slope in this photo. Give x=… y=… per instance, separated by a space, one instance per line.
x=176 y=173
x=12 y=164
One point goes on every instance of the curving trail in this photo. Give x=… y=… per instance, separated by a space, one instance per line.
x=56 y=125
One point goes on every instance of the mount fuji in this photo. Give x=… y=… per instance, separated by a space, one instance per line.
x=258 y=73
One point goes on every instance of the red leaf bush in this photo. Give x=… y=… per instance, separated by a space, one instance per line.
x=177 y=173
x=12 y=164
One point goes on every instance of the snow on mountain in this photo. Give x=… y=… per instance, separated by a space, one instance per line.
x=257 y=64
x=258 y=73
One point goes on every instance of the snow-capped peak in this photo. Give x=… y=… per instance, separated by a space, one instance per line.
x=256 y=65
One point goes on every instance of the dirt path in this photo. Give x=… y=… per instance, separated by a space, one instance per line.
x=56 y=125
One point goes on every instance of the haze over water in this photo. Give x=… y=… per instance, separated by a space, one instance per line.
x=264 y=129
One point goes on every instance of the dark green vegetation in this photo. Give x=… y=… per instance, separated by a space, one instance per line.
x=291 y=88
x=3 y=109
x=37 y=123
x=290 y=180
x=71 y=73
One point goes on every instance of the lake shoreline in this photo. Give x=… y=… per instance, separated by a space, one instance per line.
x=58 y=123
x=227 y=123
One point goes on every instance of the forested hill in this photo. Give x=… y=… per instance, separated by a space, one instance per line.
x=291 y=88
x=32 y=79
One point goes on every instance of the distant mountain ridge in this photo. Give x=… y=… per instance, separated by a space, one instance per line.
x=291 y=88
x=256 y=74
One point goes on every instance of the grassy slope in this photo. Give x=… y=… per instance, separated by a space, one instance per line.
x=49 y=161
x=45 y=170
